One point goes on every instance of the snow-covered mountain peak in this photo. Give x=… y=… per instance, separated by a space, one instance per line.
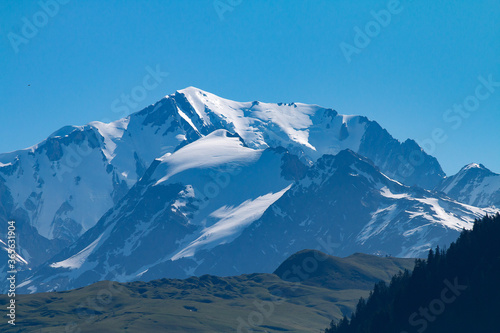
x=65 y=131
x=196 y=94
x=474 y=166
x=111 y=132
x=475 y=185
x=306 y=130
x=472 y=170
x=256 y=122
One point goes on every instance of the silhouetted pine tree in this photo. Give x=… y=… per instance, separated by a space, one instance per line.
x=454 y=290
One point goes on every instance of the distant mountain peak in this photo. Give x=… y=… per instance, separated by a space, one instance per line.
x=474 y=166
x=192 y=90
x=475 y=185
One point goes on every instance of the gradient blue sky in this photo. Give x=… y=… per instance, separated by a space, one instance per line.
x=427 y=59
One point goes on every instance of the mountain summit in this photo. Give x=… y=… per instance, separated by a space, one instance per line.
x=475 y=185
x=198 y=171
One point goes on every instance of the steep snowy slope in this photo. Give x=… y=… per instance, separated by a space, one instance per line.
x=474 y=185
x=237 y=210
x=344 y=205
x=203 y=195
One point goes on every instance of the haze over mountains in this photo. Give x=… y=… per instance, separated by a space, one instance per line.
x=198 y=184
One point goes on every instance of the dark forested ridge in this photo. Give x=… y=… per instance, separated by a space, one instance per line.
x=454 y=290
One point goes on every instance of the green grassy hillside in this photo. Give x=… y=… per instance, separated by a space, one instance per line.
x=258 y=302
x=358 y=271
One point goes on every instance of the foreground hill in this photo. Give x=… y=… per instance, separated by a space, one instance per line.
x=329 y=288
x=358 y=271
x=453 y=291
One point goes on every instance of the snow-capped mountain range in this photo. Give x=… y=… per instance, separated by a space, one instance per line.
x=199 y=184
x=475 y=185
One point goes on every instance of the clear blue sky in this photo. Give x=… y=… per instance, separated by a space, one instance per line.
x=427 y=59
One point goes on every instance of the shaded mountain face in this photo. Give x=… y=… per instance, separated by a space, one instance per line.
x=343 y=205
x=169 y=225
x=474 y=185
x=202 y=195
